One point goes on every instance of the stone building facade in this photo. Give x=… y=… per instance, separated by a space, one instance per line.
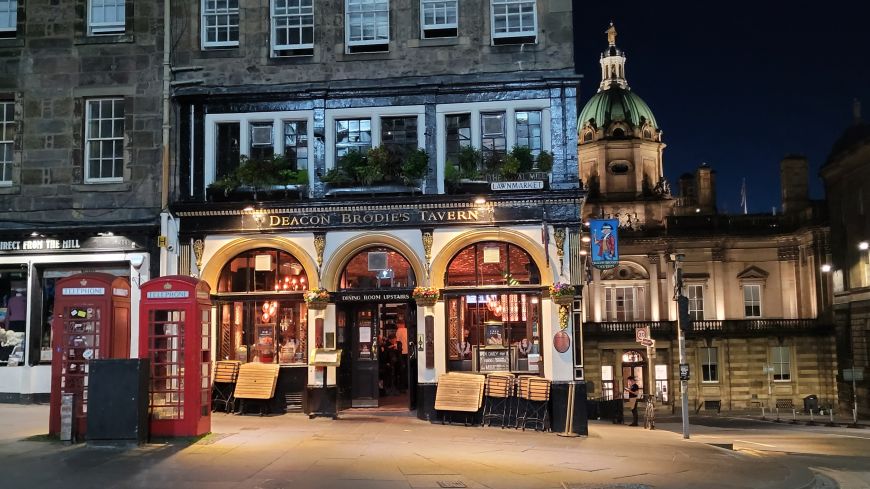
x=80 y=160
x=845 y=175
x=761 y=333
x=346 y=101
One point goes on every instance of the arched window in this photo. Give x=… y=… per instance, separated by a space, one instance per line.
x=261 y=314
x=647 y=134
x=500 y=314
x=263 y=270
x=377 y=267
x=492 y=263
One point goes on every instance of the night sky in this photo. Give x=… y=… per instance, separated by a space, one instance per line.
x=737 y=87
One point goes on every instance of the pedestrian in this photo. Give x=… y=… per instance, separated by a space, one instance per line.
x=631 y=389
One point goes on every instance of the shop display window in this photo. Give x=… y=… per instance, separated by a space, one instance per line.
x=495 y=310
x=13 y=309
x=263 y=317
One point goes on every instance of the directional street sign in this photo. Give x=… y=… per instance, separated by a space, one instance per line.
x=853 y=374
x=641 y=334
x=648 y=342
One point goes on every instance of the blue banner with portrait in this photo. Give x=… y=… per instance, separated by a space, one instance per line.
x=605 y=243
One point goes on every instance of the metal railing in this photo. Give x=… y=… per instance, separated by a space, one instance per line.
x=727 y=327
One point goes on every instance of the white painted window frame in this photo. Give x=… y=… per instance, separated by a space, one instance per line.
x=787 y=363
x=375 y=114
x=89 y=138
x=9 y=13
x=245 y=121
x=509 y=107
x=760 y=300
x=640 y=300
x=438 y=6
x=5 y=139
x=301 y=12
x=693 y=300
x=204 y=13
x=107 y=27
x=507 y=35
x=366 y=8
x=705 y=360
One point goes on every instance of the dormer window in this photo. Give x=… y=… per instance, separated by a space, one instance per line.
x=647 y=134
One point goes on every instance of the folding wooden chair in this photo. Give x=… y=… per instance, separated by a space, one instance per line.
x=498 y=392
x=536 y=396
x=226 y=372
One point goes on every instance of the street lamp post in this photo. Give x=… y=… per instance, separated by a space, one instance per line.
x=681 y=338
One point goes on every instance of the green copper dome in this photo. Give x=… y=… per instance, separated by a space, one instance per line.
x=616 y=104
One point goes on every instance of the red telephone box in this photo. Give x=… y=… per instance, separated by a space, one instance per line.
x=91 y=321
x=175 y=334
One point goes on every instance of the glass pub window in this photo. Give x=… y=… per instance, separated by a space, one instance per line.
x=529 y=130
x=493 y=140
x=458 y=136
x=399 y=134
x=352 y=135
x=220 y=23
x=439 y=18
x=228 y=148
x=296 y=144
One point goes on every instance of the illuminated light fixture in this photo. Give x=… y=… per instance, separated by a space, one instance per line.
x=863 y=245
x=479 y=201
x=697 y=210
x=826 y=268
x=35 y=235
x=248 y=209
x=583 y=252
x=106 y=234
x=585 y=239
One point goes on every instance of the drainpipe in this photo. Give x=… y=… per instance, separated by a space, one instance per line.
x=164 y=184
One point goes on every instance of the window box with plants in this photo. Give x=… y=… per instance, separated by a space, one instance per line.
x=377 y=171
x=272 y=178
x=474 y=171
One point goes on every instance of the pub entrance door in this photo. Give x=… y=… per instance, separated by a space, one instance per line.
x=378 y=367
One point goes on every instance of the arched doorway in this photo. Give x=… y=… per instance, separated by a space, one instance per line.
x=633 y=364
x=493 y=298
x=375 y=327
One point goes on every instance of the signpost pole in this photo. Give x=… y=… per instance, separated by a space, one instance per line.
x=854 y=399
x=681 y=339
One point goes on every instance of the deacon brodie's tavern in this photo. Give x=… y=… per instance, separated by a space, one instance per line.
x=368 y=147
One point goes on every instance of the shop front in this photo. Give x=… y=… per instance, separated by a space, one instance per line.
x=31 y=264
x=490 y=266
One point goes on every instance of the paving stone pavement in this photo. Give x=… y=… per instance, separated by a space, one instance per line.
x=366 y=451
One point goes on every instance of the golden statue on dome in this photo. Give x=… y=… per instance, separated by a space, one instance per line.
x=611 y=35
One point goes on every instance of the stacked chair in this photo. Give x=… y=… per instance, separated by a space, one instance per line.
x=498 y=395
x=226 y=373
x=533 y=396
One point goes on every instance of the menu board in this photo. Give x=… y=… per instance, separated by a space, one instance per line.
x=494 y=360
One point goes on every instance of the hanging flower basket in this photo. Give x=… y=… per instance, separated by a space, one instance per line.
x=317 y=299
x=425 y=296
x=562 y=294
